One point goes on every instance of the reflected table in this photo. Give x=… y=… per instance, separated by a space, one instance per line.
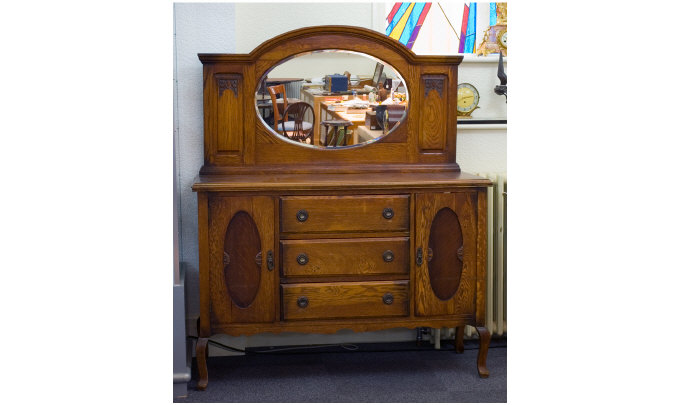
x=357 y=117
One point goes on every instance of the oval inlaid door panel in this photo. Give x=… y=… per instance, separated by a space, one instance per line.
x=445 y=265
x=241 y=264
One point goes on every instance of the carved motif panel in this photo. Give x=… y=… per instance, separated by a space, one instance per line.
x=434 y=83
x=230 y=113
x=433 y=133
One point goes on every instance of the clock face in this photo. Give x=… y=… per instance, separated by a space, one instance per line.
x=468 y=98
x=503 y=39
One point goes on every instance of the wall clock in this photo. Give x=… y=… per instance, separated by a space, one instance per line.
x=468 y=99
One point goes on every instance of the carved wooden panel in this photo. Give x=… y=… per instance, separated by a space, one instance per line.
x=229 y=112
x=242 y=259
x=445 y=222
x=445 y=265
x=432 y=134
x=242 y=288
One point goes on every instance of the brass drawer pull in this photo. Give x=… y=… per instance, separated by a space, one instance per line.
x=388 y=299
x=388 y=213
x=388 y=256
x=302 y=259
x=419 y=256
x=302 y=302
x=302 y=215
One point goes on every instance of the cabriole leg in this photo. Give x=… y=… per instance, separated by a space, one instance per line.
x=201 y=361
x=484 y=338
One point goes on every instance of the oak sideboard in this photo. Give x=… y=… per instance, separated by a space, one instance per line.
x=302 y=238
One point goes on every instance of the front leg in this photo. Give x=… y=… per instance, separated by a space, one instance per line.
x=201 y=361
x=484 y=338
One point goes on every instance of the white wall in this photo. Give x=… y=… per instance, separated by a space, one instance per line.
x=320 y=64
x=258 y=22
x=482 y=149
x=238 y=28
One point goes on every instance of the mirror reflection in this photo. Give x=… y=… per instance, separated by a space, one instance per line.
x=332 y=99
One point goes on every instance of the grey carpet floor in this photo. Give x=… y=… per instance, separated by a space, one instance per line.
x=361 y=376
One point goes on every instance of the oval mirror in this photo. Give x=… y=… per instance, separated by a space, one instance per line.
x=332 y=99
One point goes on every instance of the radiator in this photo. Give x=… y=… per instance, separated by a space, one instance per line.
x=496 y=291
x=293 y=89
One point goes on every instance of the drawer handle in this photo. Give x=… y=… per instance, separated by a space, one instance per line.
x=388 y=256
x=302 y=215
x=419 y=256
x=388 y=299
x=302 y=259
x=388 y=213
x=302 y=302
x=270 y=260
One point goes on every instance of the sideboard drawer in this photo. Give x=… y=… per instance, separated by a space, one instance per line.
x=344 y=300
x=338 y=257
x=316 y=214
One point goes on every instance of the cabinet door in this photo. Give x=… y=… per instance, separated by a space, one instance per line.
x=242 y=278
x=446 y=230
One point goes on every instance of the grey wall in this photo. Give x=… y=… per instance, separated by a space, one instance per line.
x=199 y=28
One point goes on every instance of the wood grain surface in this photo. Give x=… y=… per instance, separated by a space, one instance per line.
x=432 y=134
x=231 y=81
x=345 y=213
x=348 y=182
x=334 y=325
x=256 y=183
x=427 y=206
x=337 y=257
x=223 y=308
x=344 y=300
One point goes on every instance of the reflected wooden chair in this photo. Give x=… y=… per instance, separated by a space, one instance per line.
x=274 y=91
x=300 y=130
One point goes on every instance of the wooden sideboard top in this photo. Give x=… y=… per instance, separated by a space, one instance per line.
x=331 y=181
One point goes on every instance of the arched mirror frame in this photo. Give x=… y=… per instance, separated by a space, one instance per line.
x=317 y=136
x=236 y=139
